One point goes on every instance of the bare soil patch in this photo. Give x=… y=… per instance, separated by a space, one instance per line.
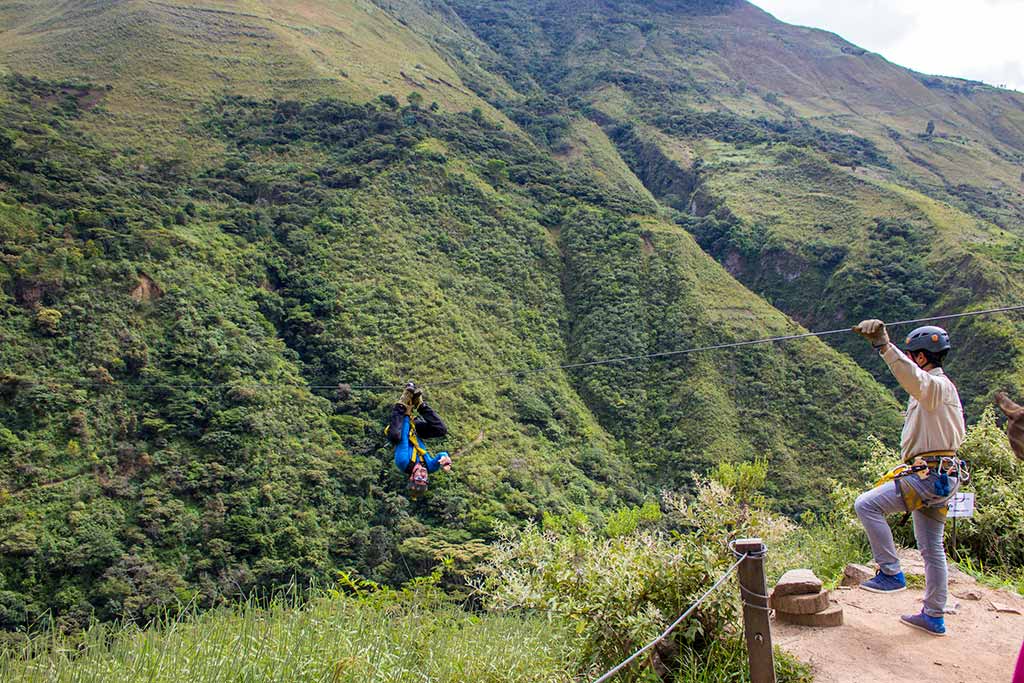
x=872 y=645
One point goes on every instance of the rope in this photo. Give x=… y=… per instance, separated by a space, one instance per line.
x=757 y=555
x=671 y=628
x=753 y=594
x=745 y=592
x=554 y=368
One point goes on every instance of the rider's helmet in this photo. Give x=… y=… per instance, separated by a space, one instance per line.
x=929 y=338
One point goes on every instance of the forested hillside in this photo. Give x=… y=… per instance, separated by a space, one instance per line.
x=830 y=181
x=229 y=229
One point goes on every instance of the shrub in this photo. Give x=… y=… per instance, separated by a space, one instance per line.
x=48 y=321
x=621 y=592
x=623 y=586
x=994 y=536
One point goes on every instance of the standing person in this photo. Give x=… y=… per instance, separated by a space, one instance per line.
x=405 y=433
x=933 y=431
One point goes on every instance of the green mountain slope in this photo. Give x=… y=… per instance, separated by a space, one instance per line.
x=160 y=437
x=166 y=60
x=161 y=331
x=798 y=160
x=210 y=219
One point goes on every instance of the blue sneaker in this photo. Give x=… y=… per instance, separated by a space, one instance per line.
x=884 y=583
x=936 y=626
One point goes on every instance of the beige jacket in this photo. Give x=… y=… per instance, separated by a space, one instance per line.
x=935 y=416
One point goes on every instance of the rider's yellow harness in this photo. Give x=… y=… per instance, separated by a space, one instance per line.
x=418 y=451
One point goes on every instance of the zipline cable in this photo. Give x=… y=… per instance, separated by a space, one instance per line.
x=568 y=366
x=666 y=632
x=713 y=347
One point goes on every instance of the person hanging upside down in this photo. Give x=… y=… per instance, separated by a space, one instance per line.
x=930 y=475
x=406 y=434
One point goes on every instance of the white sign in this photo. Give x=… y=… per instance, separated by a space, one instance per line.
x=961 y=505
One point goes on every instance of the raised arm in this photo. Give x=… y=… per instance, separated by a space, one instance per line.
x=915 y=381
x=918 y=383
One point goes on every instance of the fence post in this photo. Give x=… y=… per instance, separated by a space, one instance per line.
x=756 y=625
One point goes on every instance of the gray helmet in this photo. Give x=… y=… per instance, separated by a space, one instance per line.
x=928 y=338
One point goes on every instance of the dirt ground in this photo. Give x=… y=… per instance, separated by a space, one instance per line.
x=980 y=645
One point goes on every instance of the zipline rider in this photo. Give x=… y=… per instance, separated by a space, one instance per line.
x=933 y=431
x=407 y=433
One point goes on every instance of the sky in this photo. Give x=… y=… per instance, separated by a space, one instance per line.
x=981 y=40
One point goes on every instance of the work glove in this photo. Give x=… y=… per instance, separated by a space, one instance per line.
x=406 y=400
x=417 y=397
x=1014 y=423
x=874 y=331
x=446 y=463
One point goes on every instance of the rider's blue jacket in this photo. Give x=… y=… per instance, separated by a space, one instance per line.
x=428 y=425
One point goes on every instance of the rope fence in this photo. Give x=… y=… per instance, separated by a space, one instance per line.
x=675 y=624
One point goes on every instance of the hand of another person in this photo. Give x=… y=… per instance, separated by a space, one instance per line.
x=1014 y=424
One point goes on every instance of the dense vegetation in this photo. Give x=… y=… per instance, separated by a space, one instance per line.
x=564 y=598
x=543 y=623
x=220 y=258
x=174 y=429
x=773 y=195
x=160 y=437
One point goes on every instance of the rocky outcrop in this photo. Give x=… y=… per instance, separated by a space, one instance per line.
x=146 y=290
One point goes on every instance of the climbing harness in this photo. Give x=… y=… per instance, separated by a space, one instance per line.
x=950 y=472
x=419 y=453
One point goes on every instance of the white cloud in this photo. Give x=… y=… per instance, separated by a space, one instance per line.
x=980 y=40
x=886 y=22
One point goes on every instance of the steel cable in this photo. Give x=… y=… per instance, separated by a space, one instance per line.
x=553 y=368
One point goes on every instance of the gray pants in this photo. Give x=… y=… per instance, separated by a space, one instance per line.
x=871 y=508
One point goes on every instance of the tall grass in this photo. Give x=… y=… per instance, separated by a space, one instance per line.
x=330 y=637
x=1007 y=578
x=725 y=661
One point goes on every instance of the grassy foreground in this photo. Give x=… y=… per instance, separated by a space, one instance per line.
x=566 y=599
x=344 y=639
x=330 y=638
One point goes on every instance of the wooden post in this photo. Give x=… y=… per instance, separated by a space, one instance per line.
x=756 y=625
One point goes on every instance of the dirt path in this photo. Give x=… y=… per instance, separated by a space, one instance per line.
x=981 y=644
